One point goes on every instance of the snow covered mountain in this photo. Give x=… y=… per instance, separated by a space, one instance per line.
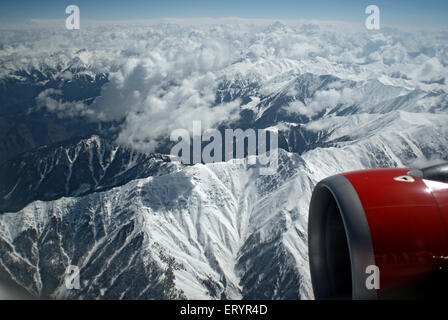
x=25 y=122
x=141 y=227
x=73 y=168
x=207 y=231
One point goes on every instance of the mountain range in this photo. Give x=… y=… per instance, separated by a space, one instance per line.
x=85 y=190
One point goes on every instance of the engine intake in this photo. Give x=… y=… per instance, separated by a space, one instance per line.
x=395 y=219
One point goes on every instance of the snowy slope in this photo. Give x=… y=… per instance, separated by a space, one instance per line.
x=219 y=222
x=73 y=168
x=208 y=231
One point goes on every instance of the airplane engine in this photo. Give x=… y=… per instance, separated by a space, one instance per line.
x=389 y=221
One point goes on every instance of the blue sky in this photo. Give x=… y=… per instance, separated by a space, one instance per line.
x=393 y=12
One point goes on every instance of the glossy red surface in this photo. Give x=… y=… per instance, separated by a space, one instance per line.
x=440 y=192
x=407 y=226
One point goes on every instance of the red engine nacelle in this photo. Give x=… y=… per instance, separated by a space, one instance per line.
x=395 y=219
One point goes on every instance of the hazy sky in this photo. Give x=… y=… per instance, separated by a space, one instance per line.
x=393 y=12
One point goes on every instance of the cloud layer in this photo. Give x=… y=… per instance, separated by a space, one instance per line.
x=163 y=76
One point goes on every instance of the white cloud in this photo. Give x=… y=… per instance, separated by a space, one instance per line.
x=430 y=70
x=162 y=91
x=296 y=107
x=324 y=99
x=331 y=98
x=51 y=100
